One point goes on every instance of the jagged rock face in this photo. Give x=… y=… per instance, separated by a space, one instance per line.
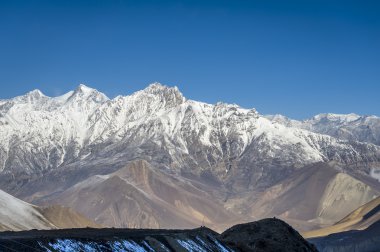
x=237 y=146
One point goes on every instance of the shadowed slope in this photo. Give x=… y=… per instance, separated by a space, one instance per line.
x=367 y=240
x=359 y=219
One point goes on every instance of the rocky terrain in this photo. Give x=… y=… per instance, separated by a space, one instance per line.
x=175 y=162
x=266 y=235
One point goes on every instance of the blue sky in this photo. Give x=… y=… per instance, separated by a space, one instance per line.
x=297 y=58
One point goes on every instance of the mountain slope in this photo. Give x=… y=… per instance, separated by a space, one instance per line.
x=366 y=240
x=18 y=215
x=64 y=217
x=317 y=195
x=140 y=196
x=359 y=219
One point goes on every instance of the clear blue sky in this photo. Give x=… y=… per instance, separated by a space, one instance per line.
x=297 y=58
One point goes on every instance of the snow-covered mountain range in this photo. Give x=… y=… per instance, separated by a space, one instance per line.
x=351 y=127
x=40 y=133
x=49 y=144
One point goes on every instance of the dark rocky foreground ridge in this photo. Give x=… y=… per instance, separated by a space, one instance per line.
x=367 y=240
x=265 y=235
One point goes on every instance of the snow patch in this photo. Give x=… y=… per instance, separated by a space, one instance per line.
x=375 y=173
x=191 y=246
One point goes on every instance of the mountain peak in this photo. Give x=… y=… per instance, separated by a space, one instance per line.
x=30 y=97
x=157 y=87
x=89 y=93
x=85 y=89
x=169 y=94
x=34 y=95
